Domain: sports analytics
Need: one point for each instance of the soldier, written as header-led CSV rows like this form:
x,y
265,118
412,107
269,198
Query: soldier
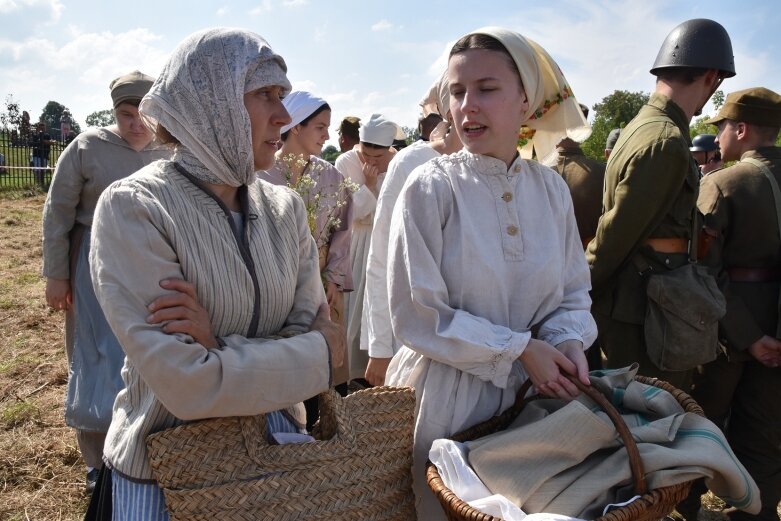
x,y
706,152
745,383
651,186
584,177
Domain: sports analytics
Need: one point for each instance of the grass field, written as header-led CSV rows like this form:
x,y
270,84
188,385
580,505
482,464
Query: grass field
x,y
41,473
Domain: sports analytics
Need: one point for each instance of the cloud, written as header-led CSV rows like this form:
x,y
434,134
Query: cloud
x,y
295,3
382,25
222,11
76,74
264,7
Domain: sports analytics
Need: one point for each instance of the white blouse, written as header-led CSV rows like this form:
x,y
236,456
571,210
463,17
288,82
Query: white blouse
x,y
481,258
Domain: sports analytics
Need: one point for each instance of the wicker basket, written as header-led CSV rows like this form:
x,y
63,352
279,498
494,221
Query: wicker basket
x,y
359,469
651,505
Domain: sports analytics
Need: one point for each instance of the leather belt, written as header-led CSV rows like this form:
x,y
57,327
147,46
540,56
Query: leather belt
x,y
669,245
754,274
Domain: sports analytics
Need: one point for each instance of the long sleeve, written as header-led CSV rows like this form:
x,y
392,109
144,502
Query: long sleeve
x,y
59,212
422,316
133,249
376,311
655,173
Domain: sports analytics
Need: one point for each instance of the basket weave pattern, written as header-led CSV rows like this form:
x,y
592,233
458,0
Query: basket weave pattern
x,y
359,469
652,505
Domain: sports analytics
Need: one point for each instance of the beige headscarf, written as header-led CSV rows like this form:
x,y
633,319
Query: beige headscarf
x,y
437,100
553,111
199,99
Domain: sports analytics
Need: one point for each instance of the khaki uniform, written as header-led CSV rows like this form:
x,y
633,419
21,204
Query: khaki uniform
x,y
584,177
737,203
651,185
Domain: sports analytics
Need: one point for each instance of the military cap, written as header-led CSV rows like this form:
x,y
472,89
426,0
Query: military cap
x,y
757,106
131,86
612,138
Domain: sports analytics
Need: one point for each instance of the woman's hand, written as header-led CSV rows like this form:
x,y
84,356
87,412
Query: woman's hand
x,y
333,334
58,294
544,365
767,351
573,350
182,312
376,370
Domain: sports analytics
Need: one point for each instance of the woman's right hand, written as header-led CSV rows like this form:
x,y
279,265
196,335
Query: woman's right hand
x,y
376,370
334,336
182,312
544,365
58,294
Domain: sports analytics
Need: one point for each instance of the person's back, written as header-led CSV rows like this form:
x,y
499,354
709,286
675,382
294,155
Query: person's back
x,y
651,185
744,384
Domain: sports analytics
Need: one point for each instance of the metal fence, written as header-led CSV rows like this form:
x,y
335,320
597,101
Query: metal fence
x,y
16,165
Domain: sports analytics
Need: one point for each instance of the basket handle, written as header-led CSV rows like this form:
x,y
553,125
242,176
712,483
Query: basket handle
x,y
635,461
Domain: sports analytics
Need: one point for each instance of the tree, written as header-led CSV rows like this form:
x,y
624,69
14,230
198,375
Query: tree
x,y
52,114
12,115
330,153
614,111
100,118
412,134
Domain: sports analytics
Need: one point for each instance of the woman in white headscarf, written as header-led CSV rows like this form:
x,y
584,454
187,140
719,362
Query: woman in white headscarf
x,y
487,280
242,327
328,200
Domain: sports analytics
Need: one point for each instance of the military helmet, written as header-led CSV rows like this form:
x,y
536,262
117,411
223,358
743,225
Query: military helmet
x,y
699,43
704,143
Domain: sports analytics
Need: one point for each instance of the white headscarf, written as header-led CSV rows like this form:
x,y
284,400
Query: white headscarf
x,y
199,99
379,131
553,110
300,105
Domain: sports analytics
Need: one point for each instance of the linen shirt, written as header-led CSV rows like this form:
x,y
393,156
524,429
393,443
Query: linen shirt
x,y
256,287
91,162
364,200
376,311
324,197
480,255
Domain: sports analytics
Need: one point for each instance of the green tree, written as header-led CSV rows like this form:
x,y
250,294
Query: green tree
x,y
11,117
52,114
718,99
100,118
614,111
412,134
330,153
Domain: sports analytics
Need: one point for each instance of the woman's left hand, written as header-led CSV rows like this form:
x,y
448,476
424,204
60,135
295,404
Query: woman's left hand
x,y
573,349
182,312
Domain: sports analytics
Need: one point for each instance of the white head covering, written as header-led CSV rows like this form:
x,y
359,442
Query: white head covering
x,y
300,105
553,110
379,131
199,99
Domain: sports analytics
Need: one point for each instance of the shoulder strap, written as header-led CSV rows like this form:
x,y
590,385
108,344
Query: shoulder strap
x,y
773,184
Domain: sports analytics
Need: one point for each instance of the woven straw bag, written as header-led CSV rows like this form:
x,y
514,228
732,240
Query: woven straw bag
x,y
652,505
358,469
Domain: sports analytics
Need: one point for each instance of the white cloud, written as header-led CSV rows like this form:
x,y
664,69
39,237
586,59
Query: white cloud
x,y
222,11
382,25
295,3
53,7
264,7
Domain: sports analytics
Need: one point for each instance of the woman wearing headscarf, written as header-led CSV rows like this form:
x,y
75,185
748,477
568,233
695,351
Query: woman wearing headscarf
x,y
377,334
487,280
242,326
328,201
365,165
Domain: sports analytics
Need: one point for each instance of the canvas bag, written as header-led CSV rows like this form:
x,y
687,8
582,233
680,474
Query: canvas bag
x,y
682,313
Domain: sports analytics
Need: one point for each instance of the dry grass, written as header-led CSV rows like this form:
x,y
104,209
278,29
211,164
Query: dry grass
x,y
41,473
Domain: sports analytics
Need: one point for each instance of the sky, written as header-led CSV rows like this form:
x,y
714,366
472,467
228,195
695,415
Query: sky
x,y
361,56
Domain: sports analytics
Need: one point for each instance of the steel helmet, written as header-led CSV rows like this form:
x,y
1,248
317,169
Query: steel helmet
x,y
704,143
699,43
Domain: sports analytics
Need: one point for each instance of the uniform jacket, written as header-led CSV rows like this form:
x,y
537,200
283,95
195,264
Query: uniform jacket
x,y
585,177
651,186
737,203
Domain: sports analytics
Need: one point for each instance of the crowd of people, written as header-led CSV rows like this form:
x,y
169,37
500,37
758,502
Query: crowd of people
x,y
211,264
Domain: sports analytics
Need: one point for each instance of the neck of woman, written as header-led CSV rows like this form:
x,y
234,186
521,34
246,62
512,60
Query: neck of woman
x,y
229,195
